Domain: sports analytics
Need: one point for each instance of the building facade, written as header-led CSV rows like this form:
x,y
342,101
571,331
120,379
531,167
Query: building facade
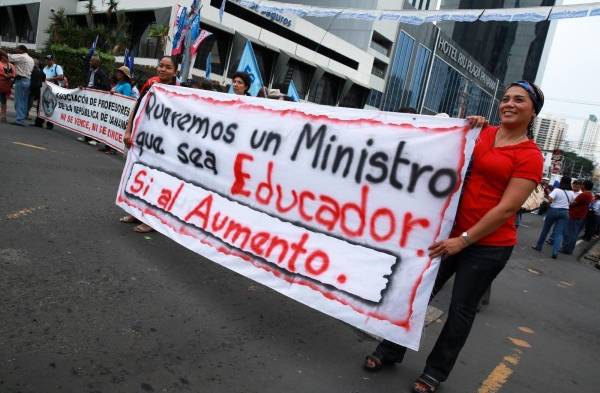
x,y
590,138
549,132
375,64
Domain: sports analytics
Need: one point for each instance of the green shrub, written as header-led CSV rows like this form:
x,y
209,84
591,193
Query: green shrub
x,y
72,62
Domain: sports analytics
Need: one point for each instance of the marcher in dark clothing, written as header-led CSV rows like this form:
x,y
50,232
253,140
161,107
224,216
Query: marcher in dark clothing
x,y
96,78
36,80
592,221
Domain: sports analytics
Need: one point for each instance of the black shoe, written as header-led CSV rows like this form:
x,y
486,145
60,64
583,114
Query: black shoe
x,y
536,248
554,256
49,126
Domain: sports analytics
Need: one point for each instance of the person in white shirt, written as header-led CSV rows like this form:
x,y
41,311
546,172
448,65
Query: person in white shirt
x,y
54,72
558,215
23,65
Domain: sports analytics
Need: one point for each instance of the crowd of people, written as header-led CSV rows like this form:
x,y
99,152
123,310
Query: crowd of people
x,y
571,207
503,181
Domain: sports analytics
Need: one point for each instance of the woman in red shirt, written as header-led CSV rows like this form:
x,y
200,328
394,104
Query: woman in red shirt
x,y
165,73
505,168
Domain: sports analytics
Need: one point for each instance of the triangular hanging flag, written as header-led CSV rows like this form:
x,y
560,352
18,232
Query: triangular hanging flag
x,y
201,37
222,10
293,92
249,65
208,68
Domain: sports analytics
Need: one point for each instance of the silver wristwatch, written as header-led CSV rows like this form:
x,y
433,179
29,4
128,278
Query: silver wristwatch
x,y
466,238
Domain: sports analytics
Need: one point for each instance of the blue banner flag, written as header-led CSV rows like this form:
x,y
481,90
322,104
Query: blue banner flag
x,y
249,65
208,68
92,49
293,92
179,29
129,61
222,10
195,30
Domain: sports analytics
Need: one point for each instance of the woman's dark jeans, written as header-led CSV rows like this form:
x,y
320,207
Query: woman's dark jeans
x,y
475,268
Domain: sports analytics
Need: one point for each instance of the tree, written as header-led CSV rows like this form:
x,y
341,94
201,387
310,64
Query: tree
x,y
161,33
91,8
112,8
60,27
576,166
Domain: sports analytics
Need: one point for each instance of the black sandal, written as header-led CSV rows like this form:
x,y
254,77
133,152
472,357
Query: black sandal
x,y
375,362
425,384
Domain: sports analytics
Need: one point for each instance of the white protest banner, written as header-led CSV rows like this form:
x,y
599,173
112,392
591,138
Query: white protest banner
x,y
333,207
100,115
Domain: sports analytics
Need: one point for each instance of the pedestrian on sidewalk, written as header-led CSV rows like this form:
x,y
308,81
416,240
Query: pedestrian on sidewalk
x,y
166,72
23,65
506,166
557,216
578,209
7,78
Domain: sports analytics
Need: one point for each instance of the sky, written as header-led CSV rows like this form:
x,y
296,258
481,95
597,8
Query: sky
x,y
571,80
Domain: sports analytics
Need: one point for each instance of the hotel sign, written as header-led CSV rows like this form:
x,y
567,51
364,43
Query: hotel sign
x,y
453,54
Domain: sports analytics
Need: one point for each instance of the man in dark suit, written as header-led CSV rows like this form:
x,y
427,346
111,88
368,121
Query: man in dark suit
x,y
96,78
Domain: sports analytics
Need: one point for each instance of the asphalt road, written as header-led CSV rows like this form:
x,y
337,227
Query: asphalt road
x,y
87,305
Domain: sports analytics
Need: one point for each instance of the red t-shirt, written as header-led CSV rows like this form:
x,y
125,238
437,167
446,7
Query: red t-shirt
x,y
491,170
580,206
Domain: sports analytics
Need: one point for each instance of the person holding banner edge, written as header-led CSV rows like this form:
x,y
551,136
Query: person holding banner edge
x,y
506,166
166,72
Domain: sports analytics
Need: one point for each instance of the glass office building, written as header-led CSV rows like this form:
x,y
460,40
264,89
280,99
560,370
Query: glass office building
x,y
509,50
432,74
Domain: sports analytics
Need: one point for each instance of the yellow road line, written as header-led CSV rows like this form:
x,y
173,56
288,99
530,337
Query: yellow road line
x,y
525,329
497,378
23,212
502,372
28,145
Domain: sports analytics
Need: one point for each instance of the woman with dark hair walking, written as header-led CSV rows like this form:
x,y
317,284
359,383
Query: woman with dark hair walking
x,y
557,216
506,166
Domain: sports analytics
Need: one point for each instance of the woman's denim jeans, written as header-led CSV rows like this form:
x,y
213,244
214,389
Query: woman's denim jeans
x,y
558,218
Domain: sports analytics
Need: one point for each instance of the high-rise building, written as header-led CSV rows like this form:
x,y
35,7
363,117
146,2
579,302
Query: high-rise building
x,y
509,50
549,132
588,142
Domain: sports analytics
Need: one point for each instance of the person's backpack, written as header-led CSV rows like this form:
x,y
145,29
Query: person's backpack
x,y
64,83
